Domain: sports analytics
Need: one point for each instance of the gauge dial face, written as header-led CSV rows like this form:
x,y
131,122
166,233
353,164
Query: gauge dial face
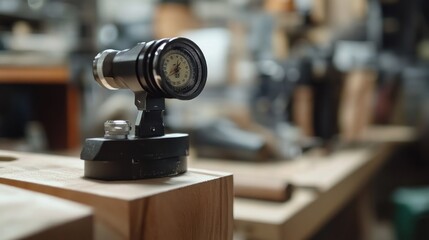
x,y
177,68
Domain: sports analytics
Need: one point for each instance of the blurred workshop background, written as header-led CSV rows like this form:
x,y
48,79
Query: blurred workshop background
x,y
286,79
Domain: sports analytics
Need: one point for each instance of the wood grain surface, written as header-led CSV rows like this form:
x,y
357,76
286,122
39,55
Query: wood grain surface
x,y
30,215
195,205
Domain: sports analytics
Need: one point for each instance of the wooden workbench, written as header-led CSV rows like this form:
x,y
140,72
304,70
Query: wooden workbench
x,y
324,184
195,205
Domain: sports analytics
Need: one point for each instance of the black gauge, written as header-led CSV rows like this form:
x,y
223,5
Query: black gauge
x,y
182,68
177,69
169,68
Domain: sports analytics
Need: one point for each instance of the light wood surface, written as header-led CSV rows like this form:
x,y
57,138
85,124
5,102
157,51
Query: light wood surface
x,y
195,205
31,215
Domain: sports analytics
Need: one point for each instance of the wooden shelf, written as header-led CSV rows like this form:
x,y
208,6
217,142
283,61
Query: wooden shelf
x,y
34,75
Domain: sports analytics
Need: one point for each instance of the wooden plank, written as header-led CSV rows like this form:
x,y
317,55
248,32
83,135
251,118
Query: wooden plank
x,y
34,75
195,205
31,215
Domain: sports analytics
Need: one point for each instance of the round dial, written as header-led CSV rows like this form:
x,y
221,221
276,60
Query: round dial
x,y
180,69
165,68
176,67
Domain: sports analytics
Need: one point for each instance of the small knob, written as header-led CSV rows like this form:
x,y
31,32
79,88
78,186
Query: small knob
x,y
116,129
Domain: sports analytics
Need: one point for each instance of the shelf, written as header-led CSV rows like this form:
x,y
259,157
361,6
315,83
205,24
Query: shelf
x,y
34,75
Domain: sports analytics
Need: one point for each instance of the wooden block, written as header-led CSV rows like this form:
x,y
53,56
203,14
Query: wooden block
x,y
30,215
195,205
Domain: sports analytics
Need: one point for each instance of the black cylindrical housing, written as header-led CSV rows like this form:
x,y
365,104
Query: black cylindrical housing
x,y
141,68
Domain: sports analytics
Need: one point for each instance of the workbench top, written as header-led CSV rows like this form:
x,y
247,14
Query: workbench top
x,y
194,205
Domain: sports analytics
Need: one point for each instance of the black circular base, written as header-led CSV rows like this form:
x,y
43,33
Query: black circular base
x,y
136,158
131,170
